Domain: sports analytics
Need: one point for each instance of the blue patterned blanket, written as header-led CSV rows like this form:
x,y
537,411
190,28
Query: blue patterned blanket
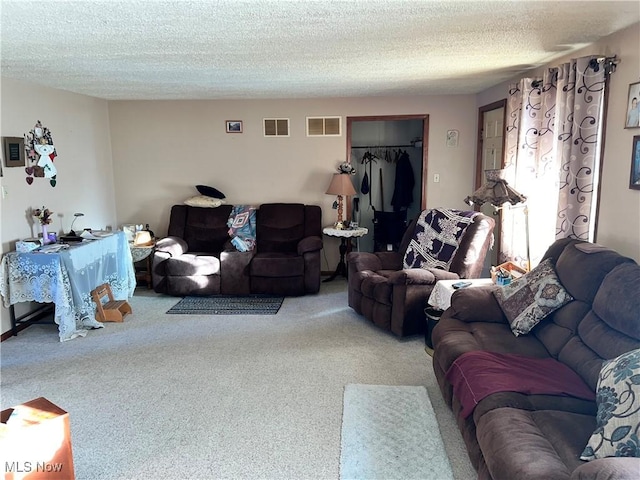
x,y
242,227
436,237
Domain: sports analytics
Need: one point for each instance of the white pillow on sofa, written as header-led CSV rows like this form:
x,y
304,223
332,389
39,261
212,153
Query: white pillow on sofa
x,y
204,201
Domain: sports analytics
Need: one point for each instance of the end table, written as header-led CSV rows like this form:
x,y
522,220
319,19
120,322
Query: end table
x,y
343,234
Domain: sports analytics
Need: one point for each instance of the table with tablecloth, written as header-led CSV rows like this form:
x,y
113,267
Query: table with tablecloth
x,y
66,278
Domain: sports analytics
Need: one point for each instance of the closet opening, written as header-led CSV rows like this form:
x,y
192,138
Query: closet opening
x,y
390,156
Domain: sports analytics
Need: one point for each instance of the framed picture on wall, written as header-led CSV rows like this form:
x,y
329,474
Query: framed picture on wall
x,y
234,126
633,107
634,181
13,151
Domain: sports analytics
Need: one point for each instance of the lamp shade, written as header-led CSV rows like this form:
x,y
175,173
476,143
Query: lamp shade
x,y
495,191
341,185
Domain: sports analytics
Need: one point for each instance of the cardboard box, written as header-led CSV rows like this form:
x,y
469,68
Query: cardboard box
x,y
35,441
515,270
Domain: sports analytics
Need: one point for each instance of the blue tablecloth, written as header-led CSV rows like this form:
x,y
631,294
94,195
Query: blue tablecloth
x,y
66,279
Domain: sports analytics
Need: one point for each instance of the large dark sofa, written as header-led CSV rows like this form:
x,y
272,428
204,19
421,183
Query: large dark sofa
x,y
198,258
511,435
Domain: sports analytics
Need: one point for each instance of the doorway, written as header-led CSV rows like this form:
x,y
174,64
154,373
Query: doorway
x,y
490,155
386,151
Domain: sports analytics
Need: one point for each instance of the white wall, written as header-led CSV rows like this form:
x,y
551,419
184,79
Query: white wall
x,y
619,216
162,149
80,129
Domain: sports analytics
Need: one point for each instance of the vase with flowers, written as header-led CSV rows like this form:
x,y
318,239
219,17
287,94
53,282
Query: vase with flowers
x,y
44,216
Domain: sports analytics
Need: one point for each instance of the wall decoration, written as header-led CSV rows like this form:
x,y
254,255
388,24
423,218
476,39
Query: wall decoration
x,y
633,106
634,180
40,152
234,126
13,151
452,138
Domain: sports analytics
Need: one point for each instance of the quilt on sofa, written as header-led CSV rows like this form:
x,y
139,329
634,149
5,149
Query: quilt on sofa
x,y
477,374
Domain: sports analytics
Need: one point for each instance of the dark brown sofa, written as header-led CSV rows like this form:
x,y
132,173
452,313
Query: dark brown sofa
x,y
197,257
522,436
393,297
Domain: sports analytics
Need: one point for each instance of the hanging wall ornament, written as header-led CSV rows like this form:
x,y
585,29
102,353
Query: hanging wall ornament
x,y
40,152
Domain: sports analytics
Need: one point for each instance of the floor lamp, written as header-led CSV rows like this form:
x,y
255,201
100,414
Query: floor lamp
x,y
497,191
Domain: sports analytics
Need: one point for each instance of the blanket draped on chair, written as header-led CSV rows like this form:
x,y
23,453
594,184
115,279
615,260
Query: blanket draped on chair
x,y
436,237
242,227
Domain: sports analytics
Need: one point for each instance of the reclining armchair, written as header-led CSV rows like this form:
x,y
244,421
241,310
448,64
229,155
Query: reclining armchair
x,y
391,288
288,245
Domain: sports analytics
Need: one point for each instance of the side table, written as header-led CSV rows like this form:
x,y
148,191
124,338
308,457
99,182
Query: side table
x,y
440,300
343,234
139,253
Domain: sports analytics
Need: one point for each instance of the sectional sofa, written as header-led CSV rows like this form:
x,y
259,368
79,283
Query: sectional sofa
x,y
559,399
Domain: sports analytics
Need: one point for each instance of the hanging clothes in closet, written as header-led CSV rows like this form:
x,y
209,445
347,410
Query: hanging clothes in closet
x,y
404,183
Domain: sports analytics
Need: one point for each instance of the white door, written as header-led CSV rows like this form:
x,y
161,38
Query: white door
x,y
492,141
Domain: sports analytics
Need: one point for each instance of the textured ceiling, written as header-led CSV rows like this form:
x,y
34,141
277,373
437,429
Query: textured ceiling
x,y
291,49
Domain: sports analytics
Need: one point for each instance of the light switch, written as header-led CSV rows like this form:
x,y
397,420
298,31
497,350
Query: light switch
x,y
4,192
436,178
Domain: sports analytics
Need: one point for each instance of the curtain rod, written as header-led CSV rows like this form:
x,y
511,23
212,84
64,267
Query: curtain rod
x,y
384,146
609,63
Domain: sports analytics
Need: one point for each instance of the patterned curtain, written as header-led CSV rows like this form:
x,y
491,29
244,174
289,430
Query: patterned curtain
x,y
531,168
581,87
551,156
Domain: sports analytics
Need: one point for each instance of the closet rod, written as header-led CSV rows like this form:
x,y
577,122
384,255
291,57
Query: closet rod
x,y
385,146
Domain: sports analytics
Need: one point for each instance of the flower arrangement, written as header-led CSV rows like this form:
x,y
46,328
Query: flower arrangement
x,y
44,215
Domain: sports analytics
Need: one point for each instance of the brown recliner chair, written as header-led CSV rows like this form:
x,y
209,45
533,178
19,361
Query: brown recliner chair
x,y
394,298
288,244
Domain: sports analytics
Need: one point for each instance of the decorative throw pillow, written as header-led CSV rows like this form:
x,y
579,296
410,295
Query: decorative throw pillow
x,y
204,201
210,191
530,298
618,417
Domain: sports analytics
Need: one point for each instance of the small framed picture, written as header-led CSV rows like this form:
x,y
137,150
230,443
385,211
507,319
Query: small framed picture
x,y
633,106
13,150
452,138
234,126
634,180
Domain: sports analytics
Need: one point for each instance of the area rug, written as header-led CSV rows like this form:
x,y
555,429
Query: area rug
x,y
391,432
228,305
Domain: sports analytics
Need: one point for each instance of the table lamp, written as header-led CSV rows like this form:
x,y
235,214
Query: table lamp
x,y
497,191
340,185
75,215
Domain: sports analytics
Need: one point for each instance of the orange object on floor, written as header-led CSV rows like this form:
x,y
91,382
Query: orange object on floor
x,y
112,310
35,440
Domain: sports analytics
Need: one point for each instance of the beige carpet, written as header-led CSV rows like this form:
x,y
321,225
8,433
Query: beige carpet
x,y
201,397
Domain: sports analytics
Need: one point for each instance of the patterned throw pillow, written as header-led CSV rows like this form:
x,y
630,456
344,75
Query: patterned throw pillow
x,y
530,298
618,417
203,201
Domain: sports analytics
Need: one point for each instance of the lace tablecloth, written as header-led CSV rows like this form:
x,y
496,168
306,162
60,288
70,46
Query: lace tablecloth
x,y
440,297
345,232
66,279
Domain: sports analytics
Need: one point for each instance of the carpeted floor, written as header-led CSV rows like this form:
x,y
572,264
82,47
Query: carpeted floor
x,y
228,305
391,432
201,397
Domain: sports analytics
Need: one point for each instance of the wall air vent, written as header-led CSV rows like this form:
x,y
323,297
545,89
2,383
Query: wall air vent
x,y
276,127
324,126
